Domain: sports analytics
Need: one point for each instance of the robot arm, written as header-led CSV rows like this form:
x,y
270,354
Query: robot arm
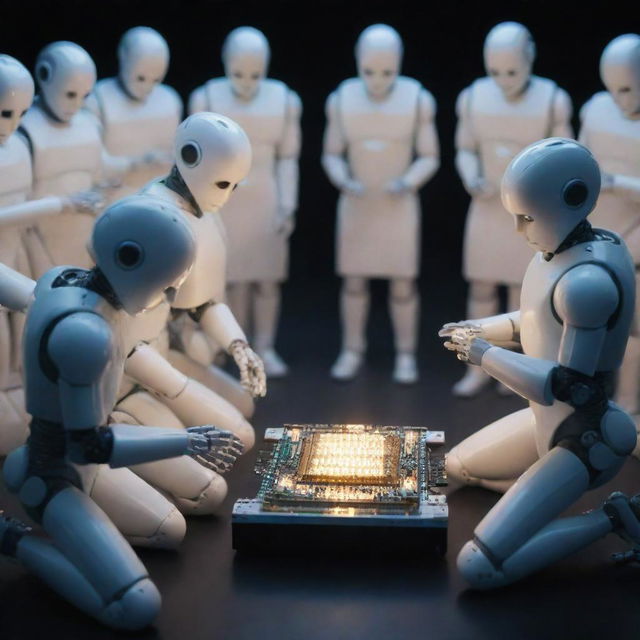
x,y
334,162
502,330
287,166
33,210
197,101
16,290
79,352
561,113
427,149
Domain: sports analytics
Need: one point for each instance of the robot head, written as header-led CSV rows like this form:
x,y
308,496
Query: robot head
x,y
378,57
16,95
550,187
143,55
212,154
145,248
65,74
509,52
245,55
620,72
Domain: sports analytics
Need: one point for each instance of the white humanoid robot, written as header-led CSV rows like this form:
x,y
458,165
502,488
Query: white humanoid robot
x,y
74,352
260,218
16,211
67,155
611,129
139,115
380,147
577,304
498,116
163,387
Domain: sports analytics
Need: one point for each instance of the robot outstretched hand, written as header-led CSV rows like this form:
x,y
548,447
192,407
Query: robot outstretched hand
x,y
465,339
214,448
92,202
252,375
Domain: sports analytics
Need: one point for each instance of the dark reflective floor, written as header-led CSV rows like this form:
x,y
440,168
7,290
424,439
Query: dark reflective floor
x,y
210,593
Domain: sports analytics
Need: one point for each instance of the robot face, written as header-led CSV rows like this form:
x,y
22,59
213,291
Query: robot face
x,y
245,71
509,69
144,247
65,74
16,95
550,187
144,59
212,154
620,73
378,69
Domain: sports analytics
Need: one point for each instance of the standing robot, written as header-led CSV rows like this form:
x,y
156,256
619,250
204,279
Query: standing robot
x,y
16,211
139,115
260,218
611,129
577,304
380,147
74,355
67,154
498,116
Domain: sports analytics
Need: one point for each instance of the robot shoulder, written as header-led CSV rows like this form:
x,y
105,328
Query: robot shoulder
x,y
427,104
462,102
586,296
170,95
81,347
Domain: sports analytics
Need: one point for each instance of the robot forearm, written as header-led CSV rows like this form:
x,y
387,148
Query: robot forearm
x,y
30,211
219,323
529,377
421,171
287,181
148,368
16,290
501,329
337,169
468,166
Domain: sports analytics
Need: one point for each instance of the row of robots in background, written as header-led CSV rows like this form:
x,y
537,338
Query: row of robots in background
x,y
380,148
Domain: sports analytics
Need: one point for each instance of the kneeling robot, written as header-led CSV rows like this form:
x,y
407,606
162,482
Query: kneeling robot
x,y
575,314
74,355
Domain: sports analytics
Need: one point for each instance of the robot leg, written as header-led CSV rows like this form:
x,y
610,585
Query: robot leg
x,y
266,313
215,379
483,302
194,489
354,311
497,455
513,539
404,308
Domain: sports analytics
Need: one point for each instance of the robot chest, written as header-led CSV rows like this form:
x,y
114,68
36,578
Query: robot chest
x,y
615,142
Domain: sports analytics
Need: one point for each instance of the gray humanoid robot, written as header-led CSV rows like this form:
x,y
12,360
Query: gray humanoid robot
x,y
611,129
261,216
74,354
576,309
380,147
139,115
498,116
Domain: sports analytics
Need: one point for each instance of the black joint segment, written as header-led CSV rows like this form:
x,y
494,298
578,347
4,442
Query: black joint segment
x,y
96,444
197,312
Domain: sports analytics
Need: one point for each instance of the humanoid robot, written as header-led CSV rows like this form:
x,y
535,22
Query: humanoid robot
x,y
576,310
163,387
260,218
611,129
67,155
380,147
139,115
74,355
498,116
16,95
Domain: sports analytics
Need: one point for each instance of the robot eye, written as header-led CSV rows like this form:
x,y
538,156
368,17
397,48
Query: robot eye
x,y
71,95
511,72
237,74
223,184
141,78
387,73
255,76
624,89
493,72
575,193
368,72
129,254
190,154
6,113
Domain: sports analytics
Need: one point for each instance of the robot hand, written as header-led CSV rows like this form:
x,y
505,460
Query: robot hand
x,y
85,202
285,222
213,448
397,187
353,188
252,376
152,158
468,325
465,342
481,188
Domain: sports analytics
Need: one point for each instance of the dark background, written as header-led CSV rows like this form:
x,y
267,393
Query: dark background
x,y
209,592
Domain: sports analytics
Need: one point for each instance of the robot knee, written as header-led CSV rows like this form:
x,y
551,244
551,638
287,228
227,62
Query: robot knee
x,y
354,286
246,433
619,431
15,468
455,468
171,532
136,608
477,569
403,289
209,500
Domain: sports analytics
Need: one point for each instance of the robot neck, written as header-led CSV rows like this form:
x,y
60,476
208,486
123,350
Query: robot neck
x,y
176,183
97,282
42,103
583,232
123,88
